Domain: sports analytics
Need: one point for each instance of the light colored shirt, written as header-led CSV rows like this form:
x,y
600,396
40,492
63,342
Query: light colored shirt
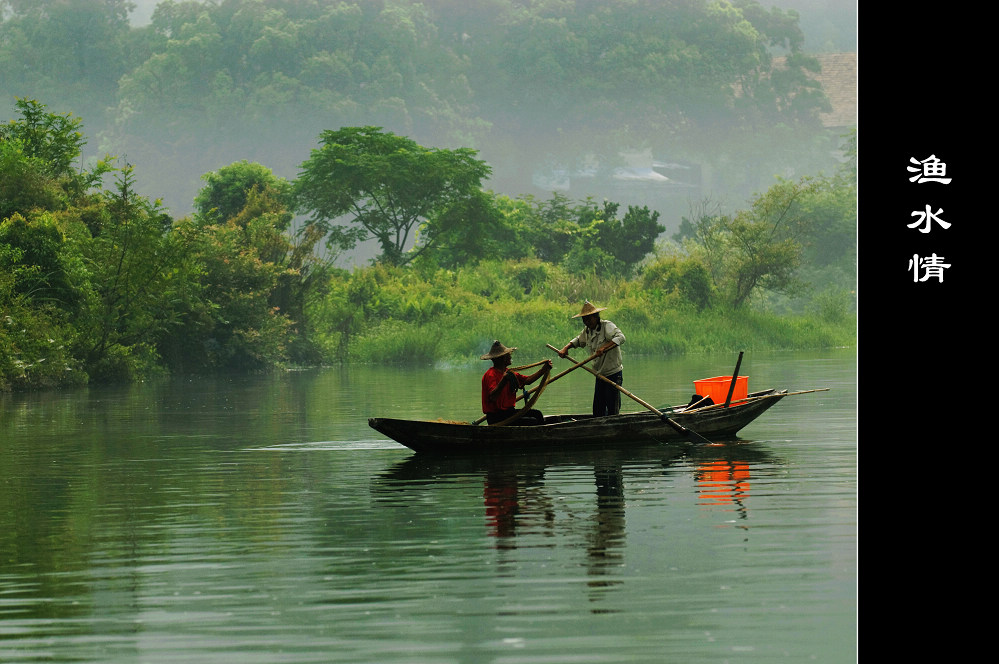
x,y
609,363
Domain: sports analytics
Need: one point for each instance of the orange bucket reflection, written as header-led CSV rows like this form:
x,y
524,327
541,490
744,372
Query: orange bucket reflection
x,y
722,482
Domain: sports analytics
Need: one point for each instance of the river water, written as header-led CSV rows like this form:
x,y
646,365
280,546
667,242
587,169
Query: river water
x,y
259,520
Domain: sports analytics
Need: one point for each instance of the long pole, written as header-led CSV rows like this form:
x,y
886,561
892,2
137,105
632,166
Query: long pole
x,y
679,427
573,368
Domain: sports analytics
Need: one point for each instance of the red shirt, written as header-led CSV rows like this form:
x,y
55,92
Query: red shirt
x,y
506,398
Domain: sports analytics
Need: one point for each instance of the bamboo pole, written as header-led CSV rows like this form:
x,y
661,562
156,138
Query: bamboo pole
x,y
679,427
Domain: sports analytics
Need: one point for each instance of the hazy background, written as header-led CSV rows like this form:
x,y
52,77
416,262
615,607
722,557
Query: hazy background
x,y
170,154
829,25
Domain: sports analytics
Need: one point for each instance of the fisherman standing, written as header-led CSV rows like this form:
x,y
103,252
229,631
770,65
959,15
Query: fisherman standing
x,y
603,339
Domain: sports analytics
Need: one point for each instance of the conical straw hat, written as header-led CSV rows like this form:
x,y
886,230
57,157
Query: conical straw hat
x,y
498,350
589,309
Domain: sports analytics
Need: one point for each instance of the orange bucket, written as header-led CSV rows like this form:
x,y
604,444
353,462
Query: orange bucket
x,y
717,388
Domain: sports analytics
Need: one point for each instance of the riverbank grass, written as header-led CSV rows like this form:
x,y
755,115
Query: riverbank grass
x,y
462,337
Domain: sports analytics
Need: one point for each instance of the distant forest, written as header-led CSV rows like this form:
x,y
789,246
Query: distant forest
x,y
547,91
178,196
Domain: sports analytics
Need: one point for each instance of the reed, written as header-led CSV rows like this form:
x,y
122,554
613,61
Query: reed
x,y
455,316
462,338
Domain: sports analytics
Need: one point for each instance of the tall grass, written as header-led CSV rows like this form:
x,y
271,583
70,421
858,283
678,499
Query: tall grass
x,y
499,302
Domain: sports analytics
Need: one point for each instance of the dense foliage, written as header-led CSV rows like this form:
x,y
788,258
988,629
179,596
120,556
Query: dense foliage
x,y
531,85
98,283
391,187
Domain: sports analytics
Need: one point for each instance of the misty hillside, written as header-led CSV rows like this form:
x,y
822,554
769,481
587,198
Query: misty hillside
x,y
649,102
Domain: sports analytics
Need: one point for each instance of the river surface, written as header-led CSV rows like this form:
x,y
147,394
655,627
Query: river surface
x,y
259,520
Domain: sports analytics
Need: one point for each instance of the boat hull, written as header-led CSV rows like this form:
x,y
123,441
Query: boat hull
x,y
574,431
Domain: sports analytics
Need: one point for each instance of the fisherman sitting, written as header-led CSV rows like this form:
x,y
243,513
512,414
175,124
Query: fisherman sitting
x,y
500,384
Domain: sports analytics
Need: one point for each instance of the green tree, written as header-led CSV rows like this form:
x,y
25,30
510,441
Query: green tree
x,y
759,248
54,139
254,276
584,236
69,52
301,271
628,239
390,187
42,275
232,324
135,280
684,278
832,206
281,71
25,182
617,72
39,300
455,246
549,225
36,338
37,155
227,190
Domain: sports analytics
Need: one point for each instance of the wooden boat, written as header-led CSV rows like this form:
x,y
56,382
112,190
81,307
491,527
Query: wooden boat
x,y
716,422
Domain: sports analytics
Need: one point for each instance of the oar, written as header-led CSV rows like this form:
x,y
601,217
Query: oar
x,y
679,427
572,368
550,381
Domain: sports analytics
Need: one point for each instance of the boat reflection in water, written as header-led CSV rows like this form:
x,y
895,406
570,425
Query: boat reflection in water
x,y
532,501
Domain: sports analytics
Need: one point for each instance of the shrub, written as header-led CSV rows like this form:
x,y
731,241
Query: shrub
x,y
685,278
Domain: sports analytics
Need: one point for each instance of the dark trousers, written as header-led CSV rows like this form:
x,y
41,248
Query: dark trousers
x,y
530,417
606,399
